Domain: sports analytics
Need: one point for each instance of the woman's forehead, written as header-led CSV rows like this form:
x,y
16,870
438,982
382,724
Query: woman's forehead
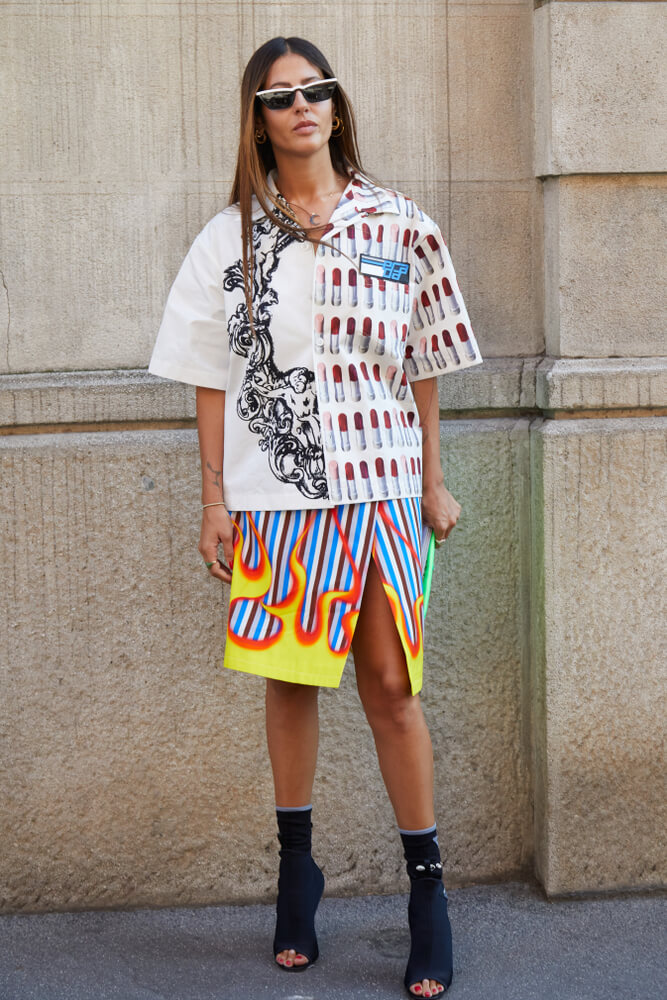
x,y
291,70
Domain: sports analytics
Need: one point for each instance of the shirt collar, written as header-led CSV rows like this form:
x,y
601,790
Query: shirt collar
x,y
361,197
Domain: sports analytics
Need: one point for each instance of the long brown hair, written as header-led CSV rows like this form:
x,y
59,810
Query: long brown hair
x,y
254,161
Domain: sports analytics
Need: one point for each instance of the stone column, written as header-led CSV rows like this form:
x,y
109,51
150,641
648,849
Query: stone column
x,y
597,454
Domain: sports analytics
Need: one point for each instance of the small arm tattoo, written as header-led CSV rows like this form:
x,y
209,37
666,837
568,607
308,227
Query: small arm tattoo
x,y
216,474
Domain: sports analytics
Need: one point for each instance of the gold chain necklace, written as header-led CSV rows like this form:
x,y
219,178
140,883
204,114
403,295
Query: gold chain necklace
x,y
313,216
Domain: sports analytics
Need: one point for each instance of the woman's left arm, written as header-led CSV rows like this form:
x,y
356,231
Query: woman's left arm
x,y
439,508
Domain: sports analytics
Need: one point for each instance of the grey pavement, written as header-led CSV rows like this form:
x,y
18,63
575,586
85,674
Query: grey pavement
x,y
510,944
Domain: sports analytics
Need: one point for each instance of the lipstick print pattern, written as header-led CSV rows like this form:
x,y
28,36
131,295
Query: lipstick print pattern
x,y
369,403
299,577
362,400
336,336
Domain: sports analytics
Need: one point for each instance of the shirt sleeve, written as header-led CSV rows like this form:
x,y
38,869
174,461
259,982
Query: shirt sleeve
x,y
440,337
192,344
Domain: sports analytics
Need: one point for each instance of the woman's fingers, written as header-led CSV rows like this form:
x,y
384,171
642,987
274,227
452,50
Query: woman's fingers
x,y
220,570
216,566
228,551
440,510
217,531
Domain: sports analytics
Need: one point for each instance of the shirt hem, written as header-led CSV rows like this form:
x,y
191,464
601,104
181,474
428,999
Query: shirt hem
x,y
282,502
190,376
439,372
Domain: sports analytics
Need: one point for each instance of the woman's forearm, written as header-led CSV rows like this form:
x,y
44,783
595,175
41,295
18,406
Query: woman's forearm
x,y
425,392
211,432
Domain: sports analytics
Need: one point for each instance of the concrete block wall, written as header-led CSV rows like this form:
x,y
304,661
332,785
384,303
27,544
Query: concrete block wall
x,y
601,147
135,765
598,487
600,651
139,765
120,131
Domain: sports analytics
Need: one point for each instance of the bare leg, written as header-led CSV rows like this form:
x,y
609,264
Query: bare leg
x,y
395,716
292,732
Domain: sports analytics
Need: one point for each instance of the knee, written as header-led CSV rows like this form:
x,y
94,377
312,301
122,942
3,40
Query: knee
x,y
286,693
390,705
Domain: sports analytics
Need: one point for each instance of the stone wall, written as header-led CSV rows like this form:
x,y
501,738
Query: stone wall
x,y
598,480
135,765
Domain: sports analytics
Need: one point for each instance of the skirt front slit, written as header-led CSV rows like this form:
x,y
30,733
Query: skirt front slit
x,y
298,580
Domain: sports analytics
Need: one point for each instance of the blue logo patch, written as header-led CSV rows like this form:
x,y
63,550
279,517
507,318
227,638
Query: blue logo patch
x,y
388,270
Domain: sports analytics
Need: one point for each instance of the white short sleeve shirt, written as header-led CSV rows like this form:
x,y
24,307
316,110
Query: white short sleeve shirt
x,y
318,404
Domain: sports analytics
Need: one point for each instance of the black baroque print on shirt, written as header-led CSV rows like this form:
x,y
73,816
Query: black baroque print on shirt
x,y
280,406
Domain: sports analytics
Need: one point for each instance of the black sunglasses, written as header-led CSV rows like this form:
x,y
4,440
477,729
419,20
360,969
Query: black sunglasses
x,y
277,100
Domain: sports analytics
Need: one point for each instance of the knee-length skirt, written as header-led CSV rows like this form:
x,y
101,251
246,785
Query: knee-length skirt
x,y
298,579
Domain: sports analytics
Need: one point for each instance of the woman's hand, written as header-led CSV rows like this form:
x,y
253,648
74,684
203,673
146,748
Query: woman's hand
x,y
217,528
440,510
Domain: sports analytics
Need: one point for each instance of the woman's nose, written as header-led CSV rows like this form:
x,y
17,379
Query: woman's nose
x,y
300,101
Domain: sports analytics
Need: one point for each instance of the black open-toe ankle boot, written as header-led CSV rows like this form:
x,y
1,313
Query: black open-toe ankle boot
x,y
300,888
430,932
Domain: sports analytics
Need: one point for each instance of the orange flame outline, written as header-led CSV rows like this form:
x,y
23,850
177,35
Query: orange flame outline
x,y
413,648
394,598
288,643
256,583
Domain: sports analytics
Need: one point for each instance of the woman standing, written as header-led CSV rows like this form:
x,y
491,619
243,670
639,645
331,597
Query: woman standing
x,y
313,315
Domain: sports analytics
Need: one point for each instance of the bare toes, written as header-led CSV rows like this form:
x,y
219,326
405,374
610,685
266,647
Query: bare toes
x,y
290,957
427,988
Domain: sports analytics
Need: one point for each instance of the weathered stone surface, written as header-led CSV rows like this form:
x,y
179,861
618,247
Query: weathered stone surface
x,y
599,650
497,250
605,294
488,66
500,384
86,290
99,397
151,109
92,398
476,694
497,384
600,79
601,383
135,766
111,167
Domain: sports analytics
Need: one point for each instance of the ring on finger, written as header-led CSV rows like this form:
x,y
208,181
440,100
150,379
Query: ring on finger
x,y
208,565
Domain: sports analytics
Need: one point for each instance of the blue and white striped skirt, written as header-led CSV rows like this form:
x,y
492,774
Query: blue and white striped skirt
x,y
298,579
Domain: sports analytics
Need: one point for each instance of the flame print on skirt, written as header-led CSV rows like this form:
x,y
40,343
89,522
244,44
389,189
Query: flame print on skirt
x,y
256,583
297,584
396,551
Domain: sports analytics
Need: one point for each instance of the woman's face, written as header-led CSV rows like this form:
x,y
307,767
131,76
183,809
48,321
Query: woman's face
x,y
304,128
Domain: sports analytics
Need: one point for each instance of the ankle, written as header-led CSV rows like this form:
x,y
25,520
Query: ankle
x,y
422,853
294,829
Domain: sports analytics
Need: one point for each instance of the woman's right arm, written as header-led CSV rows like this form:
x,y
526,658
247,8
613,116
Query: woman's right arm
x,y
217,527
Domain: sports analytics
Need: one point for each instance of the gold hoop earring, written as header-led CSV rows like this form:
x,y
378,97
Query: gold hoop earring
x,y
260,137
337,127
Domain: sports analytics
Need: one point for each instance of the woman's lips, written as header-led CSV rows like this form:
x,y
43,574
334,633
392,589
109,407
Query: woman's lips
x,y
305,126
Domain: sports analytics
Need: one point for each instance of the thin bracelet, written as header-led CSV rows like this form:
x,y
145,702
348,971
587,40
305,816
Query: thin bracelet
x,y
218,503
